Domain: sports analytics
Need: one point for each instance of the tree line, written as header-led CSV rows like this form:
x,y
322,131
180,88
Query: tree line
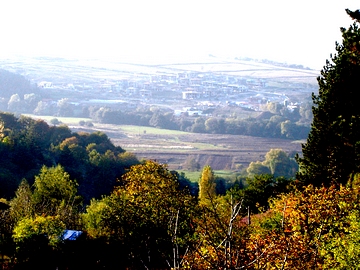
x,y
279,124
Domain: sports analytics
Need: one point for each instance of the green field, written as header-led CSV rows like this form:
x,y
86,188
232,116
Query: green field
x,y
136,130
195,176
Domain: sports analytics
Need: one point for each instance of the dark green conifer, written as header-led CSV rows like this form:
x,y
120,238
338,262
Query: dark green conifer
x,y
332,150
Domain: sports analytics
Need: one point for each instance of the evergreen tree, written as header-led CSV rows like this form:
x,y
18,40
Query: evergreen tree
x,y
332,150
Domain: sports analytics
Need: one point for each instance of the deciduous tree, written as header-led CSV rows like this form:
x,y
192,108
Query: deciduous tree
x,y
55,194
280,164
146,219
207,186
257,168
315,228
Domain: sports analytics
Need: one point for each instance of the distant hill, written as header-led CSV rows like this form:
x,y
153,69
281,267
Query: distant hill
x,y
12,83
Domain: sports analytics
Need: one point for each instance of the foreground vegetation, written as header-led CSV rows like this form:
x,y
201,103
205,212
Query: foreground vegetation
x,y
149,221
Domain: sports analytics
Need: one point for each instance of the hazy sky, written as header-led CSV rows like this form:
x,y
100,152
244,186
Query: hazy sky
x,y
299,32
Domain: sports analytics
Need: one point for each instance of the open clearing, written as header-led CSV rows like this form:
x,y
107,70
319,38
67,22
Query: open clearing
x,y
221,152
173,147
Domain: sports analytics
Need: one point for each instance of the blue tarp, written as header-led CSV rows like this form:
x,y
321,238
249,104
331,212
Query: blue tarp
x,y
71,235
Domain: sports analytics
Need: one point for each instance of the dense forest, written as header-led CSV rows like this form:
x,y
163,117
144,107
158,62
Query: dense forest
x,y
27,145
75,201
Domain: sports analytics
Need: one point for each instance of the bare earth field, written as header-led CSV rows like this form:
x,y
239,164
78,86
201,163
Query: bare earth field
x,y
221,152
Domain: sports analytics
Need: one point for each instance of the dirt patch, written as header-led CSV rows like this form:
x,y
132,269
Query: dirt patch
x,y
221,152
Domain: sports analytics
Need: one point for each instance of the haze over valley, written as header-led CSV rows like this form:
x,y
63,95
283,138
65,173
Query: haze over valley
x,y
235,69
210,87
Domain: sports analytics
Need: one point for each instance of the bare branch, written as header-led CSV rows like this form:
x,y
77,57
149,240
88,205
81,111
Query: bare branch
x,y
283,218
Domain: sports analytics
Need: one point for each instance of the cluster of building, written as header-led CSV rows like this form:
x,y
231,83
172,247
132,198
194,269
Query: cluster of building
x,y
171,87
179,85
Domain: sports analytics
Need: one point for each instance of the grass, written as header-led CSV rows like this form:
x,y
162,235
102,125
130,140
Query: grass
x,y
136,130
195,176
171,138
192,176
206,146
225,173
